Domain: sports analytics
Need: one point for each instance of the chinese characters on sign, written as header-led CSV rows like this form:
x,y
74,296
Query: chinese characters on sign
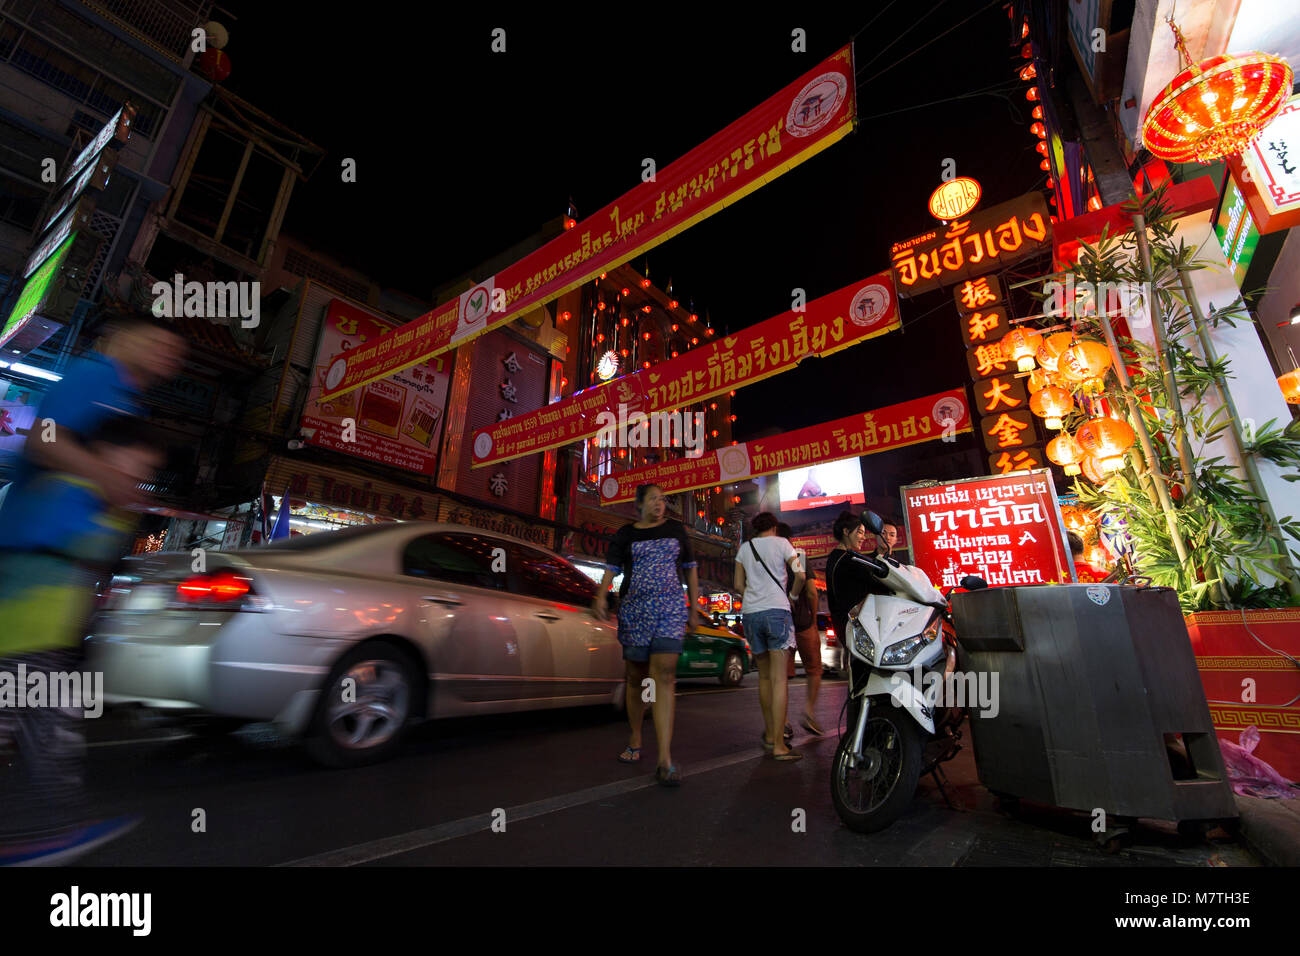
x,y
966,248
978,293
1006,530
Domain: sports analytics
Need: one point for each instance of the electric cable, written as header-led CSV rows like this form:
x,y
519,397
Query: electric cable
x,y
914,25
988,6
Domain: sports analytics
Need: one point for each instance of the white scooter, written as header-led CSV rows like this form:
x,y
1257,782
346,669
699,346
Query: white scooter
x,y
895,734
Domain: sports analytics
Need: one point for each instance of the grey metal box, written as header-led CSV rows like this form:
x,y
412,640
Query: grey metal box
x,y
1092,680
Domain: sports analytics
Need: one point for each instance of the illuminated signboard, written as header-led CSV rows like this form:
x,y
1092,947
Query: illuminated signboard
x,y
116,131
36,291
720,603
1235,229
1268,171
955,198
95,176
78,218
966,248
1005,529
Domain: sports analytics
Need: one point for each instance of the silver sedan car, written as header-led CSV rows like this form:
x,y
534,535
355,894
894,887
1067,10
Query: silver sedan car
x,y
345,637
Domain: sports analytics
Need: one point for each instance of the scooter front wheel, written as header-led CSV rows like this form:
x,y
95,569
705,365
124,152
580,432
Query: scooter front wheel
x,y
871,792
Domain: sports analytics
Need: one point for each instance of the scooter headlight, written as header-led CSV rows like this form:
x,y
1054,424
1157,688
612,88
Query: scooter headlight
x,y
904,651
860,642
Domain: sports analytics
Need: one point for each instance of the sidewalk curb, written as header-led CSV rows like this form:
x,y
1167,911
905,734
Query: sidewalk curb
x,y
1271,829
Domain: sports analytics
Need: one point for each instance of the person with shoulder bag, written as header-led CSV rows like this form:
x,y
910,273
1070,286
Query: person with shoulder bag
x,y
769,625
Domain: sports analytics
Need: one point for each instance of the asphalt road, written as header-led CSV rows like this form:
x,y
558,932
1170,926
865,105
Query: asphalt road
x,y
566,800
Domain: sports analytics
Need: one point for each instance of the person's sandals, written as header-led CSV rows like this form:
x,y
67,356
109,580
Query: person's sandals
x,y
668,776
630,755
788,755
766,743
811,726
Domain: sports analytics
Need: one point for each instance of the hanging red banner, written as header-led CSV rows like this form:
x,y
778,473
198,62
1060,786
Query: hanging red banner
x,y
1005,529
943,414
810,114
826,325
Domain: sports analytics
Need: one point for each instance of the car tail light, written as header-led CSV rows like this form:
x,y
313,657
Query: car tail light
x,y
830,637
220,587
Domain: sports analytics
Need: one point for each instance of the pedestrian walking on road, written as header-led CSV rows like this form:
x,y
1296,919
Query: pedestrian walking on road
x,y
652,554
761,566
62,526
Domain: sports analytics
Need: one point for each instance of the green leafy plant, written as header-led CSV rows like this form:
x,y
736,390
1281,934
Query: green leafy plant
x,y
1234,555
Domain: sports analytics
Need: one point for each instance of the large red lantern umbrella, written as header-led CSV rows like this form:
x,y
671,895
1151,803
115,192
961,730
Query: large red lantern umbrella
x,y
1215,108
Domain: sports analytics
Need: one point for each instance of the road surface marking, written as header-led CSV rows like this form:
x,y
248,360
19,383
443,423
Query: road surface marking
x,y
429,836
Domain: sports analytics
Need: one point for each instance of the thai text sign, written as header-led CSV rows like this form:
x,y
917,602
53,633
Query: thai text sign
x,y
396,420
922,419
810,114
986,242
1004,529
814,545
832,322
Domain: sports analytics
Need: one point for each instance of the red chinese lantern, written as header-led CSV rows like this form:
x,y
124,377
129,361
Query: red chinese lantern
x,y
1039,130
1039,379
1031,94
570,223
1028,72
1063,450
1020,344
1085,359
1051,404
1088,465
672,304
645,283
1041,147
1049,353
627,292
1215,108
1105,440
1045,167
214,64
1290,385
1036,112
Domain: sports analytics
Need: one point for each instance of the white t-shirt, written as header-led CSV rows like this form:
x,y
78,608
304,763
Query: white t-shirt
x,y
761,592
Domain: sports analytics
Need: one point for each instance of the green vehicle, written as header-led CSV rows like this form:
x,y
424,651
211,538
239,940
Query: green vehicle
x,y
715,652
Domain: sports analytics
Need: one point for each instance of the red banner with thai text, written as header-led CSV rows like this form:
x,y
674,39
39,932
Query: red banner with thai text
x,y
808,115
941,415
826,325
1004,529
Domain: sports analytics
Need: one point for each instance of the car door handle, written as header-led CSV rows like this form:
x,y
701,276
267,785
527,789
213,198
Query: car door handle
x,y
445,601
547,617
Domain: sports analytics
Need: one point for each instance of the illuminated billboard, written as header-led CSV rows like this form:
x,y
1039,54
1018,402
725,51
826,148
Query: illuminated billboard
x,y
821,485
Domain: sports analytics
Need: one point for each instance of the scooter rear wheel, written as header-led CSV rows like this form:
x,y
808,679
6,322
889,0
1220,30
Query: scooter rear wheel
x,y
872,795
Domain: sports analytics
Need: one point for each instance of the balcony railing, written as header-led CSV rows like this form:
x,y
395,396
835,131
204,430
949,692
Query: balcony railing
x,y
164,24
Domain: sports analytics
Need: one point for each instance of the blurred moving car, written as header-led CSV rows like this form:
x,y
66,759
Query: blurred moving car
x,y
715,652
345,637
835,660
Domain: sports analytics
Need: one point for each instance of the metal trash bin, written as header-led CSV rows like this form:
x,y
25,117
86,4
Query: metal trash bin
x,y
1093,683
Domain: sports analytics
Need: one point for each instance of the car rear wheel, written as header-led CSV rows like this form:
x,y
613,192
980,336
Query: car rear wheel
x,y
733,670
364,708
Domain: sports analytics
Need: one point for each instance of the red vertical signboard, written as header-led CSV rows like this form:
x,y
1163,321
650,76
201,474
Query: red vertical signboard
x,y
1006,529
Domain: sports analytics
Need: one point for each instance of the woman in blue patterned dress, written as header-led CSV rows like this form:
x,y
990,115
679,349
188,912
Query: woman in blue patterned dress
x,y
653,617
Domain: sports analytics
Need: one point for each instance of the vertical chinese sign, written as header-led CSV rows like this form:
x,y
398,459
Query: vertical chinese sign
x,y
1006,529
967,253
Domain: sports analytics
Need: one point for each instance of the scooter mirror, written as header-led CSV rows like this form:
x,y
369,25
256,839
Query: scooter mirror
x,y
972,583
873,522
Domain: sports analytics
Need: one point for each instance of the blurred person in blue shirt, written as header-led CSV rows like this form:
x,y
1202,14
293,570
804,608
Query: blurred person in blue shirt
x,y
63,523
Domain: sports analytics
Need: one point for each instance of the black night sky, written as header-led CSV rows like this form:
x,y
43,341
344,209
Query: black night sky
x,y
462,152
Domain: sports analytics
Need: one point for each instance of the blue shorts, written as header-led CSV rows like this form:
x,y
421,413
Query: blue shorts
x,y
769,630
659,645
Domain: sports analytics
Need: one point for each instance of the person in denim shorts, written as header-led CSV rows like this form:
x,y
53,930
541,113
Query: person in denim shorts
x,y
761,577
